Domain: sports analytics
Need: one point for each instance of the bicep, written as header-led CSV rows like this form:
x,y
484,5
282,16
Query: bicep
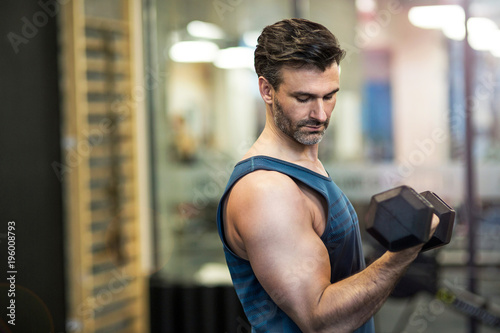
x,y
293,268
287,256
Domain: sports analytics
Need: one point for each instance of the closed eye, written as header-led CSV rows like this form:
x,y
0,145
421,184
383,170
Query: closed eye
x,y
304,97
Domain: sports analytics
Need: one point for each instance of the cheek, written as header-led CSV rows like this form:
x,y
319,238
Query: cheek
x,y
334,101
331,106
295,110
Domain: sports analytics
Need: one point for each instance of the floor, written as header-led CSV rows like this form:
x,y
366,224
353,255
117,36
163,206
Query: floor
x,y
425,313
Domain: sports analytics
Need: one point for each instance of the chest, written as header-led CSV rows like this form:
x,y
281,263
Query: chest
x,y
334,217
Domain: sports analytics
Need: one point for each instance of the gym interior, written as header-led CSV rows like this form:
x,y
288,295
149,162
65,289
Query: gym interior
x,y
122,120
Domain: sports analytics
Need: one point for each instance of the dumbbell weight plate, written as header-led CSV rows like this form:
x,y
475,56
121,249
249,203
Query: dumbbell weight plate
x,y
446,215
399,218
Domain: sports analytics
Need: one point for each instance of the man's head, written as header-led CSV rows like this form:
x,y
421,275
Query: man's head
x,y
302,107
295,43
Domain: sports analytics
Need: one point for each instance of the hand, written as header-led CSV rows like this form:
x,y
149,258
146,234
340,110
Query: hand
x,y
434,224
412,252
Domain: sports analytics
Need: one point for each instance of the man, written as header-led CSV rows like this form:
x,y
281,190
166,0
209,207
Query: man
x,y
291,237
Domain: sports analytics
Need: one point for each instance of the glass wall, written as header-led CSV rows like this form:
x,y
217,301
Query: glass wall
x,y
206,114
207,111
399,118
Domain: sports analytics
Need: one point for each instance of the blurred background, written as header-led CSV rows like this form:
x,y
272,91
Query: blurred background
x,y
121,121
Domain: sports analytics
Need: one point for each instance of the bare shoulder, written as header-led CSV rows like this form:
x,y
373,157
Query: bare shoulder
x,y
266,180
264,189
261,204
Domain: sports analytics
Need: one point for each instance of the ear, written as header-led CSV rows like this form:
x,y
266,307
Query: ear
x,y
266,90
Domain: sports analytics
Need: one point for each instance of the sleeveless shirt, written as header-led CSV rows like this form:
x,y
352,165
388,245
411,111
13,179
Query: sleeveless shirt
x,y
341,238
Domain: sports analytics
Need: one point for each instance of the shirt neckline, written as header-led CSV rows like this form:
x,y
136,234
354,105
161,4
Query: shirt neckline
x,y
297,166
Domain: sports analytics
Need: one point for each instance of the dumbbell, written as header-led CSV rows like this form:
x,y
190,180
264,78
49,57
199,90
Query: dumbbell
x,y
401,218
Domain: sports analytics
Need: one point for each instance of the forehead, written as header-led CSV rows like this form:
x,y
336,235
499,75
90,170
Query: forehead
x,y
310,79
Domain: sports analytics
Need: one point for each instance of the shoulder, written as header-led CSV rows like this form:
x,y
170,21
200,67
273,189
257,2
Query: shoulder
x,y
263,187
264,178
261,204
265,201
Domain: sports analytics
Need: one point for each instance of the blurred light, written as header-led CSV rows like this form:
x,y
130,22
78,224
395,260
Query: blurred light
x,y
250,38
205,30
448,17
366,6
235,57
482,42
455,31
193,51
484,35
495,52
481,25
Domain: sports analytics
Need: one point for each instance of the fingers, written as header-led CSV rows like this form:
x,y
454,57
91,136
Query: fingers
x,y
434,224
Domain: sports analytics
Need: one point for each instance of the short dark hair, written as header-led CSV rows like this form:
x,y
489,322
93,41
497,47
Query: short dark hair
x,y
295,43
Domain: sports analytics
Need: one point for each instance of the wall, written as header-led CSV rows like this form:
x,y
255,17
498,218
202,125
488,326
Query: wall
x,y
30,192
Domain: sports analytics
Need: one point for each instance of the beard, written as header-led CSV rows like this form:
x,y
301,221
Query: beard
x,y
295,131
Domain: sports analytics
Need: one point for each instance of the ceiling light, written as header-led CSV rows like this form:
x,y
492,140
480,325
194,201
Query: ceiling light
x,y
455,31
480,25
235,57
366,6
483,34
437,17
481,42
250,38
193,51
495,52
201,29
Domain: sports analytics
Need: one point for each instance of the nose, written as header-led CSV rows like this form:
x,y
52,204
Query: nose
x,y
319,112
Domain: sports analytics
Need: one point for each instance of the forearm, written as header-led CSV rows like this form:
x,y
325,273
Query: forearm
x,y
347,304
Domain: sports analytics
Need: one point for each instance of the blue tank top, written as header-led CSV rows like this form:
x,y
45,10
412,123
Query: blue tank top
x,y
341,237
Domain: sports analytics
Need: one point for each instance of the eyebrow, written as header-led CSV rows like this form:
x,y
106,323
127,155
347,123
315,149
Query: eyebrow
x,y
304,93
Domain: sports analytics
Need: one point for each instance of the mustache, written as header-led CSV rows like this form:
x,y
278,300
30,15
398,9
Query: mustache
x,y
311,122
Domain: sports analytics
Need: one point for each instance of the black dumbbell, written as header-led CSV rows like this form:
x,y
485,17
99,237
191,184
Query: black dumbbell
x,y
401,218
446,214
